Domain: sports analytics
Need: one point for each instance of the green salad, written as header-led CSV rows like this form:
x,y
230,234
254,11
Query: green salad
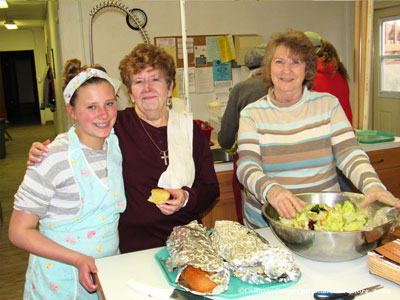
x,y
322,217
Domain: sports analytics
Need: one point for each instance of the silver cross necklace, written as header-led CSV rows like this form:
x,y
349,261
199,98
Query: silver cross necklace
x,y
163,153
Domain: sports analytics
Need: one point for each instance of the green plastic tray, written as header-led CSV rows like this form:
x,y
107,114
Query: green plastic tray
x,y
373,136
236,288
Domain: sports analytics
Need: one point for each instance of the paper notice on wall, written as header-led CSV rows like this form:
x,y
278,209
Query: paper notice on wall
x,y
223,86
226,48
222,90
222,71
192,84
171,50
165,42
189,47
204,80
200,55
212,48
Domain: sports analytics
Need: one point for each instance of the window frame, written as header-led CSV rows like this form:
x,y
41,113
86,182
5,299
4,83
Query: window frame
x,y
383,57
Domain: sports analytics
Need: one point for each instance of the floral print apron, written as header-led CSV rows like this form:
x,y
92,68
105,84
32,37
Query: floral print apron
x,y
93,231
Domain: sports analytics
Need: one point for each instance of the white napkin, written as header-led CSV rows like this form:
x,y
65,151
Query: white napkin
x,y
149,290
180,171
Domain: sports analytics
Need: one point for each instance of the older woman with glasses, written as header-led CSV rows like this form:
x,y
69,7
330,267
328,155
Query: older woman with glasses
x,y
160,149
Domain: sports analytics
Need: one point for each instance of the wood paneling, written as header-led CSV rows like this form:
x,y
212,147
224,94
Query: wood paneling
x,y
224,208
387,164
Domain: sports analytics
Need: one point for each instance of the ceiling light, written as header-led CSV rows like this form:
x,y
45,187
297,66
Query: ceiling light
x,y
10,25
3,4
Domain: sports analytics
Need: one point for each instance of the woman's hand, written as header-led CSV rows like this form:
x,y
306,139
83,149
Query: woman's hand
x,y
86,267
376,193
37,151
173,205
284,201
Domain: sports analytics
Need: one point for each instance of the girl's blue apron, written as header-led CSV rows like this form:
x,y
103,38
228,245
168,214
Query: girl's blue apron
x,y
93,231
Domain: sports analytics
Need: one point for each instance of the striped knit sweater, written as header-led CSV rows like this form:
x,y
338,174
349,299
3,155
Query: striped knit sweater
x,y
297,147
49,188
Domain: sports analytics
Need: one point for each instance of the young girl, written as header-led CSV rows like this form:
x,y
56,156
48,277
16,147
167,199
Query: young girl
x,y
76,194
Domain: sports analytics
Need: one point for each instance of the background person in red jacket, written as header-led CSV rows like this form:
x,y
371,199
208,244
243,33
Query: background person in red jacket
x,y
332,78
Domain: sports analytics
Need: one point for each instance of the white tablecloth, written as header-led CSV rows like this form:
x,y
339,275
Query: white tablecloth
x,y
115,272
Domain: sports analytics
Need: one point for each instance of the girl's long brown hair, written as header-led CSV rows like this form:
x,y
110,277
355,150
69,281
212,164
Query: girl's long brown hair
x,y
329,55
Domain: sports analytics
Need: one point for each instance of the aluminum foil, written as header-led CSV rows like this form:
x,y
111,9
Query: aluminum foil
x,y
190,245
250,257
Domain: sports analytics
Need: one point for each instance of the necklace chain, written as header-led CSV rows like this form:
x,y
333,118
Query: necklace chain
x,y
163,153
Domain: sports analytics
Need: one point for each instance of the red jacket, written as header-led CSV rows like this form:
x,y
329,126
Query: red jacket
x,y
336,85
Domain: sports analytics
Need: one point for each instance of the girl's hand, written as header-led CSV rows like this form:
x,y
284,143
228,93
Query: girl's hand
x,y
86,267
284,201
23,233
376,193
37,151
173,205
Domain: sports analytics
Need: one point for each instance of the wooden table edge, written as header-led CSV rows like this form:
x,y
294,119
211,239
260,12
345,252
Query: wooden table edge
x,y
99,287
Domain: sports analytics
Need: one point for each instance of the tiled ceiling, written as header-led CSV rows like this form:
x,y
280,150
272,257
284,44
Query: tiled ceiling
x,y
25,13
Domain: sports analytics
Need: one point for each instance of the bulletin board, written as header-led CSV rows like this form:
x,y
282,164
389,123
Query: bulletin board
x,y
199,41
207,72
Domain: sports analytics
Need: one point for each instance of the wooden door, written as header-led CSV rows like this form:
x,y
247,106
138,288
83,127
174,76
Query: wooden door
x,y
386,101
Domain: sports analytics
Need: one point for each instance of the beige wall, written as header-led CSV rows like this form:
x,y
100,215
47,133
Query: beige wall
x,y
113,38
53,46
66,30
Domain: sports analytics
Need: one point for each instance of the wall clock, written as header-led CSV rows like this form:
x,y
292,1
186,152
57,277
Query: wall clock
x,y
140,16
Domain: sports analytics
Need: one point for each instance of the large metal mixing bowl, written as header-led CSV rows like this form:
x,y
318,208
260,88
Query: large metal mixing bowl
x,y
331,246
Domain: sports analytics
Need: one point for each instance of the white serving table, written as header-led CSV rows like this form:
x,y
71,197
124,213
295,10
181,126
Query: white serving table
x,y
114,273
226,166
382,146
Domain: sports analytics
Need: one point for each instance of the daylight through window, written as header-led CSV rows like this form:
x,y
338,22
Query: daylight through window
x,y
390,57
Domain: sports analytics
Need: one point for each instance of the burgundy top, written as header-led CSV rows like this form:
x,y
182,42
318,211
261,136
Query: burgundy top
x,y
142,225
336,85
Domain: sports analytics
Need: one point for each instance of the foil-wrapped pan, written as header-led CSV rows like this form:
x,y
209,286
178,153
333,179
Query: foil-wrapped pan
x,y
190,245
250,257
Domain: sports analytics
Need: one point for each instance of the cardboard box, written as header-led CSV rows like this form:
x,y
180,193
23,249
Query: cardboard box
x,y
384,261
244,43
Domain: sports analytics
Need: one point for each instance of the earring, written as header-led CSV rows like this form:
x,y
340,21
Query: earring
x,y
169,102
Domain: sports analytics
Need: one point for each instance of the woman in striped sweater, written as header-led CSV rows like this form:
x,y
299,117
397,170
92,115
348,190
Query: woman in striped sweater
x,y
291,140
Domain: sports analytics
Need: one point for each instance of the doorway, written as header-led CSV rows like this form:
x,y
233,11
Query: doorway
x,y
387,70
20,89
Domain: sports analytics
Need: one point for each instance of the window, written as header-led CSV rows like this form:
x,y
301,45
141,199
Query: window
x,y
389,83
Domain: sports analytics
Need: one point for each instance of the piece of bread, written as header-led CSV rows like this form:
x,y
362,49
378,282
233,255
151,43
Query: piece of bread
x,y
197,280
159,196
259,269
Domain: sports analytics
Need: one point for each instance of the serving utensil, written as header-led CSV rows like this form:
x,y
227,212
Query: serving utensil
x,y
163,293
345,296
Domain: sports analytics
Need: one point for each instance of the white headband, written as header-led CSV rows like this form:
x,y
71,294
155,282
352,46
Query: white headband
x,y
80,79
